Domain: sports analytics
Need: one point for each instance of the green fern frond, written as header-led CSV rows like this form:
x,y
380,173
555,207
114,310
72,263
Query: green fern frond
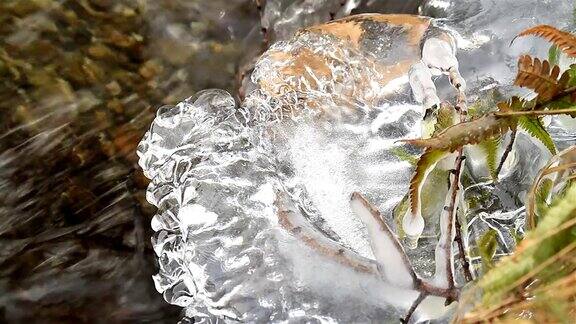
x,y
490,149
565,102
572,74
533,126
542,196
538,246
515,104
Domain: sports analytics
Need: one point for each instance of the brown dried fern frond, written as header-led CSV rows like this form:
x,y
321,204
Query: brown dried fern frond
x,y
514,104
565,41
540,77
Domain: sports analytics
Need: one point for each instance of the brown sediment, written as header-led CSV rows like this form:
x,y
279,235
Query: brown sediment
x,y
311,67
351,31
304,60
302,63
391,72
399,19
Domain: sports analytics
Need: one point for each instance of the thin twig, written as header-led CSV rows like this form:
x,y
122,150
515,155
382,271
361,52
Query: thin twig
x,y
535,112
506,153
462,252
448,293
451,209
265,33
451,293
384,227
417,302
463,110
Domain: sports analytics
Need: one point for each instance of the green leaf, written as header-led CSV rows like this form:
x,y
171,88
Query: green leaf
x,y
553,55
556,308
517,237
433,191
490,149
402,154
533,126
572,74
487,248
565,102
399,211
542,196
425,164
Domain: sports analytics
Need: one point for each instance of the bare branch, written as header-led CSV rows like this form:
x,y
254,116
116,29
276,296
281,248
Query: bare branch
x,y
535,112
463,109
444,275
462,252
415,304
506,152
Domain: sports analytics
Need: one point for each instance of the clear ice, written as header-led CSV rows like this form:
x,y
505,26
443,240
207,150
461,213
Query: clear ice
x,y
248,194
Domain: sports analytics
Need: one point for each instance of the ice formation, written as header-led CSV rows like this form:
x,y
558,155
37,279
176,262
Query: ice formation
x,y
254,222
